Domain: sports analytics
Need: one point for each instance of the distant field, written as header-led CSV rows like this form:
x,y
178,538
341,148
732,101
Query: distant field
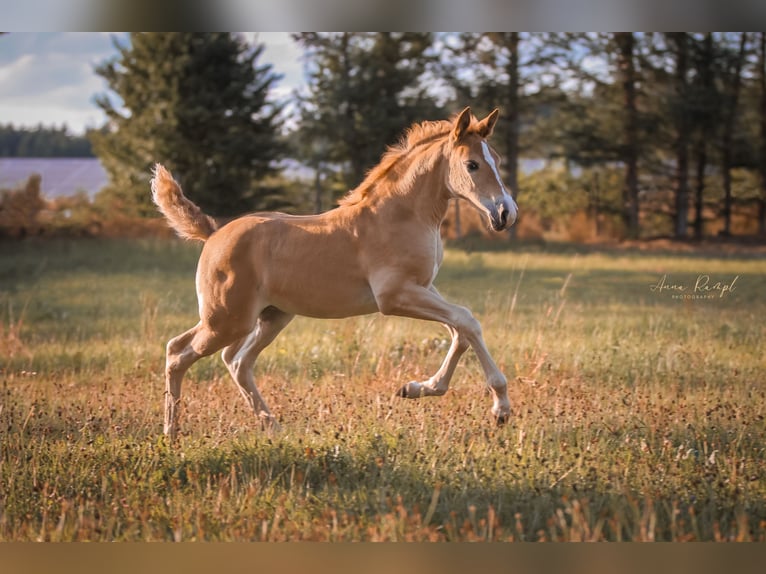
x,y
638,412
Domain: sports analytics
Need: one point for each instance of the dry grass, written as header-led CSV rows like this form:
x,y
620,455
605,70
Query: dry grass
x,y
636,416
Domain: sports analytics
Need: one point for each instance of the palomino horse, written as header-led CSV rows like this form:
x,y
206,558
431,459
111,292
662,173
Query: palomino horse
x,y
379,250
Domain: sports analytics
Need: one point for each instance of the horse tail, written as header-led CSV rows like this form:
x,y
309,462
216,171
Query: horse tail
x,y
186,219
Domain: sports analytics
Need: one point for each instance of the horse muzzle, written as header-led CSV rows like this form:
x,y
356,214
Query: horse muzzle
x,y
503,213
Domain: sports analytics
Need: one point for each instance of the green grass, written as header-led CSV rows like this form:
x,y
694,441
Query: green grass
x,y
637,416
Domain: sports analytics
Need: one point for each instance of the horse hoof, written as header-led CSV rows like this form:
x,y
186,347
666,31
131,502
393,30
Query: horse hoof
x,y
502,419
269,423
402,392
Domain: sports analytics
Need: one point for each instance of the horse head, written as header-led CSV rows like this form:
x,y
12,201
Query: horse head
x,y
473,172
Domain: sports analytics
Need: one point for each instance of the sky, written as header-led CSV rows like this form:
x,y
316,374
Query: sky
x,y
49,77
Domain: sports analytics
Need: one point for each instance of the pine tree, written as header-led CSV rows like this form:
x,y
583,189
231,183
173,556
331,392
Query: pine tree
x,y
364,90
198,104
626,72
485,72
608,125
515,72
593,121
680,41
731,107
704,107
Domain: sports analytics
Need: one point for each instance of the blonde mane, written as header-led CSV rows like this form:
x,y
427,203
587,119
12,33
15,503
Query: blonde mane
x,y
417,135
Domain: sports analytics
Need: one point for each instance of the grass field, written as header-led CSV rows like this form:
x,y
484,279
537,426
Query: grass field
x,y
638,414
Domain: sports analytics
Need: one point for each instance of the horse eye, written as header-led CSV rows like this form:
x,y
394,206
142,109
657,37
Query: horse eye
x,y
471,165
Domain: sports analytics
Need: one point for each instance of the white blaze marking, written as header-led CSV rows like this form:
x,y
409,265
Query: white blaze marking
x,y
490,160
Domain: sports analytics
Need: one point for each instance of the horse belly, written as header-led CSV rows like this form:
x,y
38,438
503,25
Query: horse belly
x,y
298,265
320,278
323,296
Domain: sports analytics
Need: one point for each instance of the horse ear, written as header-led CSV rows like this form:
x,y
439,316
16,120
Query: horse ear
x,y
486,125
461,124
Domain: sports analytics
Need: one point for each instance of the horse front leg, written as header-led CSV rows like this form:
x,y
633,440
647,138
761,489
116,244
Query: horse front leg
x,y
418,302
438,384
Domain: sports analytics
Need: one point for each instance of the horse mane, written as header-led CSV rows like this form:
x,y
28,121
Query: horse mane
x,y
418,134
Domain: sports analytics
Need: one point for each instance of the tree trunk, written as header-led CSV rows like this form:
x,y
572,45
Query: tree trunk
x,y
627,75
349,115
762,81
512,138
728,135
512,112
595,203
706,76
701,153
682,137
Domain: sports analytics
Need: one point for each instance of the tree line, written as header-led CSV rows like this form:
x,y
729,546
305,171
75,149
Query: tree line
x,y
643,133
42,142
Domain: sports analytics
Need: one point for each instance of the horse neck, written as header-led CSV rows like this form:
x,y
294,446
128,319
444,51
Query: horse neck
x,y
418,190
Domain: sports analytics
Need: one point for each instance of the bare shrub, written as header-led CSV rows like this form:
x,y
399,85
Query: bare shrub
x,y
20,209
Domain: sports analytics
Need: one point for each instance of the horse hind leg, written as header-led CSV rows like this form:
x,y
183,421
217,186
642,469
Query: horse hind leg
x,y
182,352
240,358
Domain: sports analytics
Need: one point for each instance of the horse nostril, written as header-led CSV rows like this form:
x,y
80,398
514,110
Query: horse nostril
x,y
503,214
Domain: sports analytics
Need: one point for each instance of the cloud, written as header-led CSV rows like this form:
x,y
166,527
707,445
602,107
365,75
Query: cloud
x,y
35,74
49,78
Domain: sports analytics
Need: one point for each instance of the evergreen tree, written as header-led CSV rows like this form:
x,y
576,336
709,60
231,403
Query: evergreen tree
x,y
495,80
363,91
731,107
598,122
704,108
516,72
578,115
626,73
669,99
198,104
679,42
